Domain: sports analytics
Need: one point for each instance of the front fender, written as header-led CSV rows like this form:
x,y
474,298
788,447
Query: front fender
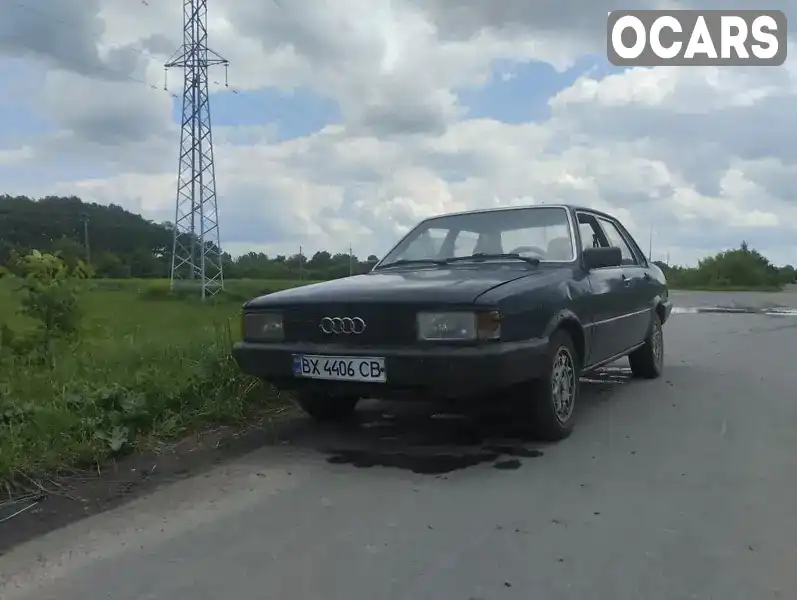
x,y
558,318
570,322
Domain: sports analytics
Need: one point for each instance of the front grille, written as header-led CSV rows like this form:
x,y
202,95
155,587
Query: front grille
x,y
384,325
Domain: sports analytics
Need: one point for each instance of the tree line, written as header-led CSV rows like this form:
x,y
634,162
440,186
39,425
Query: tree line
x,y
743,267
117,244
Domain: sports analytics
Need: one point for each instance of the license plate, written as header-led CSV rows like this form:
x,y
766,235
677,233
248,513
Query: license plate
x,y
340,368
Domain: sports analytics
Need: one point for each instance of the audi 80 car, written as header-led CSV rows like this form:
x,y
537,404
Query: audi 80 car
x,y
500,303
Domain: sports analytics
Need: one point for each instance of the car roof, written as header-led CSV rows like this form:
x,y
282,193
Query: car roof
x,y
570,207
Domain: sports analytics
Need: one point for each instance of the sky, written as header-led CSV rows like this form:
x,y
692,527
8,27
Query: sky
x,y
344,123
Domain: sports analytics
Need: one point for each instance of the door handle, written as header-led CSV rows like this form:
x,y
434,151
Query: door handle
x,y
647,276
626,281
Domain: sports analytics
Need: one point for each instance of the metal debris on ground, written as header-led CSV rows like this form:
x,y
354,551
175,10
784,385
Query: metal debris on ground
x,y
31,502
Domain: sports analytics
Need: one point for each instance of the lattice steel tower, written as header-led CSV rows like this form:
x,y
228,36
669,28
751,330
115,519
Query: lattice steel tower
x,y
196,250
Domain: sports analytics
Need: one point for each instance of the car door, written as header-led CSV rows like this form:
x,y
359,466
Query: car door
x,y
609,301
636,281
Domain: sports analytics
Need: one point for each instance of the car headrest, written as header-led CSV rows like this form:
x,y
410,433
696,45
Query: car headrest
x,y
489,244
559,249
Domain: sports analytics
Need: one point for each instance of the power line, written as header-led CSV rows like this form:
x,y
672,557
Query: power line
x,y
196,248
223,86
101,66
163,87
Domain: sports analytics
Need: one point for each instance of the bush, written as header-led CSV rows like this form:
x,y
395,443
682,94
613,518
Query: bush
x,y
741,268
88,411
235,290
49,297
120,371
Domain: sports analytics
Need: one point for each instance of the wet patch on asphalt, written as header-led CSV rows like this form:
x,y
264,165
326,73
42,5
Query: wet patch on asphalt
x,y
425,464
606,377
415,440
423,441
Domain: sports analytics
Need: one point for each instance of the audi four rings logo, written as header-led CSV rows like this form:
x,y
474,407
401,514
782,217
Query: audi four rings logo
x,y
345,325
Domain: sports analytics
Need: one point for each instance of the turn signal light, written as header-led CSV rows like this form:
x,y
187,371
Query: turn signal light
x,y
488,325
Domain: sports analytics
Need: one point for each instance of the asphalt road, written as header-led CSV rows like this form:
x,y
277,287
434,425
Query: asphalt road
x,y
679,488
754,300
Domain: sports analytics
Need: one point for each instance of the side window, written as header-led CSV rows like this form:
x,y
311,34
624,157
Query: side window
x,y
617,239
591,234
589,239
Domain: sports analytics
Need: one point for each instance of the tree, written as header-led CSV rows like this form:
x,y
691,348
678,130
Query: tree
x,y
743,267
70,250
49,296
55,224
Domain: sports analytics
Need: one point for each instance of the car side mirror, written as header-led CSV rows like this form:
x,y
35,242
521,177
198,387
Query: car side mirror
x,y
596,258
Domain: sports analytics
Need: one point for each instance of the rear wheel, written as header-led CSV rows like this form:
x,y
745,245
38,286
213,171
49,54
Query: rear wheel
x,y
554,397
326,407
647,361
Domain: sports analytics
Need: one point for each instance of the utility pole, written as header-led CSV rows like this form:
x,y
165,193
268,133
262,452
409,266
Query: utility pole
x,y
301,264
351,262
196,247
85,219
650,244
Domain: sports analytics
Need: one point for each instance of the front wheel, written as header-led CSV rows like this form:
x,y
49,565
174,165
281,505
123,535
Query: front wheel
x,y
647,361
555,395
326,407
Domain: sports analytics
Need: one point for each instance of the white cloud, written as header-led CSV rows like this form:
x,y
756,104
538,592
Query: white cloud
x,y
702,156
16,155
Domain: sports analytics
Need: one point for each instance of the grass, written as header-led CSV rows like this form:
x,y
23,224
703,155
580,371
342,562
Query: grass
x,y
145,367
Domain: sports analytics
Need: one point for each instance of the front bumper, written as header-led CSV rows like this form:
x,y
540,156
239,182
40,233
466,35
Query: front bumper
x,y
429,371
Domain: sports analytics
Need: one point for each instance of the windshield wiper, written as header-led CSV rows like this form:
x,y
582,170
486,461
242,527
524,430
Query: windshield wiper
x,y
478,256
413,261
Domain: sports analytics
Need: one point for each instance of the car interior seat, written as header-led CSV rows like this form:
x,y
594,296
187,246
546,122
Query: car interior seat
x,y
488,243
420,248
559,249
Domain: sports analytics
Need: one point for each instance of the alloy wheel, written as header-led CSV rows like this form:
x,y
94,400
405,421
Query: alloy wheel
x,y
657,345
563,385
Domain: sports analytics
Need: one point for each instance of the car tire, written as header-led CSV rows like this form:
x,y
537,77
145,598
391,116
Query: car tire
x,y
647,361
550,419
326,407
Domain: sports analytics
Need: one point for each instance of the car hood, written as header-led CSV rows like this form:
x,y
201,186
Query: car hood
x,y
456,285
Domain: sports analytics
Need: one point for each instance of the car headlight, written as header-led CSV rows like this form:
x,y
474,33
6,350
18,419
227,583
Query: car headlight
x,y
459,326
263,326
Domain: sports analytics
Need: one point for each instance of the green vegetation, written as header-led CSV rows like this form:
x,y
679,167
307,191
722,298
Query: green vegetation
x,y
93,368
98,357
732,270
120,244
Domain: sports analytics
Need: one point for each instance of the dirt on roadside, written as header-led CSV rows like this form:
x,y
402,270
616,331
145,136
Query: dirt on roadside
x,y
64,499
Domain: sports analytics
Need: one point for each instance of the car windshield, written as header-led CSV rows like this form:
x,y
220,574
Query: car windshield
x,y
542,233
